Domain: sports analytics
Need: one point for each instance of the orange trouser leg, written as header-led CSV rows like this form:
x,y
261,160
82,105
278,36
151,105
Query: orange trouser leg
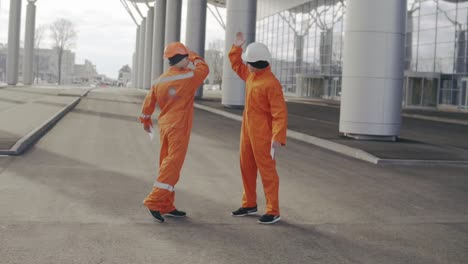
x,y
248,170
267,168
174,144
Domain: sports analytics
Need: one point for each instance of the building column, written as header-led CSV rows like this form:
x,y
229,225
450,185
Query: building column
x,y
135,59
373,69
141,54
29,44
173,18
195,32
148,49
14,30
241,16
158,38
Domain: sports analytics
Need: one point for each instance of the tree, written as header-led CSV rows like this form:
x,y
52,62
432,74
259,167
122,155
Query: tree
x,y
38,37
214,58
63,35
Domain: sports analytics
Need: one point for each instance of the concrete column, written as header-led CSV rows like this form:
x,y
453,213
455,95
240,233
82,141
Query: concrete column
x,y
241,16
373,69
173,18
148,49
158,38
29,44
196,28
14,29
132,80
135,59
141,54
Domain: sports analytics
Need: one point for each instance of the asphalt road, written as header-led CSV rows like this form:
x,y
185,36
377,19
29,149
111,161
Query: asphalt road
x,y
75,197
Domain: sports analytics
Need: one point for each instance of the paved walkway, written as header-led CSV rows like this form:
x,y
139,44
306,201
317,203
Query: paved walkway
x,y
75,197
26,113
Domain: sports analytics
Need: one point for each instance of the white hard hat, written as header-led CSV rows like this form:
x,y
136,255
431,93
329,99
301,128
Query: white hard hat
x,y
256,51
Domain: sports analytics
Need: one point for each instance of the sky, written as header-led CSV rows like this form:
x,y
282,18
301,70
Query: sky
x,y
106,33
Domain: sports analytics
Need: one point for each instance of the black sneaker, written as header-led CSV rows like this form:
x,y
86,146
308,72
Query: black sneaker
x,y
176,213
156,215
269,219
243,211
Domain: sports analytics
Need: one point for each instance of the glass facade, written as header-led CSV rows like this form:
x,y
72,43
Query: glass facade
x,y
306,42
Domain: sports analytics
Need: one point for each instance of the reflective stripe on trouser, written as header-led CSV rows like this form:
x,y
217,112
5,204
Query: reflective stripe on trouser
x,y
255,155
174,144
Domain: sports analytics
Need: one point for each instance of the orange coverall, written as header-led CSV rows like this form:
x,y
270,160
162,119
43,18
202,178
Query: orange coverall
x,y
264,120
174,91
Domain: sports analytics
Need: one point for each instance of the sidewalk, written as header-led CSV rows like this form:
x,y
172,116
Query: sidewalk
x,y
421,141
26,113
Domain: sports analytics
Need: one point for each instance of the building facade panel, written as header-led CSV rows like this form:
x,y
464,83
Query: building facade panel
x,y
306,40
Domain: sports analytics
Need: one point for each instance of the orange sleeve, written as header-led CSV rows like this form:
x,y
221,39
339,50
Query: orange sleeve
x,y
148,105
201,69
236,62
279,113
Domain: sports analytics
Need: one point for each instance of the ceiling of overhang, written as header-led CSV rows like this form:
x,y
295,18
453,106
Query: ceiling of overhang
x,y
220,3
311,6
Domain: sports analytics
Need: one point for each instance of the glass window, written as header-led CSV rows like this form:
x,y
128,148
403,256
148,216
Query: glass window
x,y
446,18
444,65
413,26
462,6
445,50
427,36
427,21
426,51
446,34
426,65
427,7
447,6
414,58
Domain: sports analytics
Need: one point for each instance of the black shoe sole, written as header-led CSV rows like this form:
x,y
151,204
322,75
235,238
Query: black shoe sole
x,y
175,216
155,219
269,223
249,213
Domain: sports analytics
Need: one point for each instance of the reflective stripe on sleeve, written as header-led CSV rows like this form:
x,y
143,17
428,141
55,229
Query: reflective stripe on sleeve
x,y
173,78
162,185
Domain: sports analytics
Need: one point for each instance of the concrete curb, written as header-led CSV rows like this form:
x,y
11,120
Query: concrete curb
x,y
29,139
332,146
340,148
326,144
422,162
219,112
83,94
437,119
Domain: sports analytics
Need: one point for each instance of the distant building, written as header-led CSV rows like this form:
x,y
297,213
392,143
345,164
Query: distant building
x,y
84,74
125,76
45,65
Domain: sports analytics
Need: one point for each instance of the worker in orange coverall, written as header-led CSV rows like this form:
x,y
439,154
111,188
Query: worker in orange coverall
x,y
264,126
174,91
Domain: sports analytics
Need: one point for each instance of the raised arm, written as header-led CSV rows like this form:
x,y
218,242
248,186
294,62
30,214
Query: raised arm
x,y
235,57
201,69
